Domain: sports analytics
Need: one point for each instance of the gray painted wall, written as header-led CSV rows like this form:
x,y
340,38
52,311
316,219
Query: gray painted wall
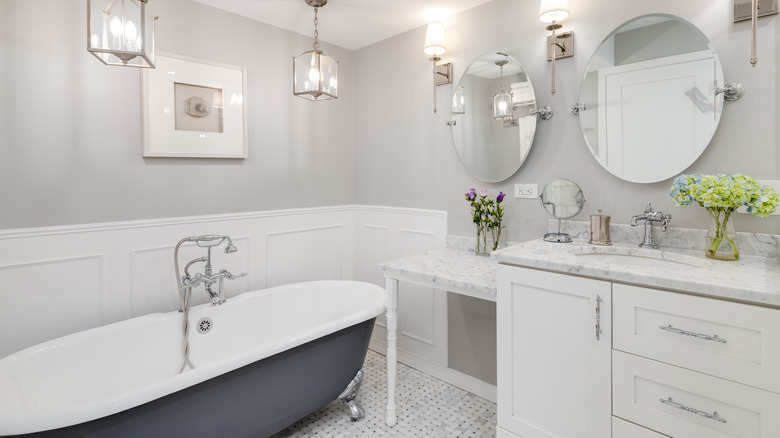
x,y
404,154
71,144
71,136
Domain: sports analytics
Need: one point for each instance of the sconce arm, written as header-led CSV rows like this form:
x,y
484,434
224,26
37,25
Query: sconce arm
x,y
731,92
544,113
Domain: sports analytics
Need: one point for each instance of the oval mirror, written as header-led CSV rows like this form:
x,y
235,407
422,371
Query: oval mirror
x,y
491,138
649,96
563,199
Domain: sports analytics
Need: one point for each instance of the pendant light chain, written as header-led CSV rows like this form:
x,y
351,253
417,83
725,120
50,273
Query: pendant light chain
x,y
316,31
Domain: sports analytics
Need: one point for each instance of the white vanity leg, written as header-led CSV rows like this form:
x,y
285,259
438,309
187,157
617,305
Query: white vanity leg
x,y
391,285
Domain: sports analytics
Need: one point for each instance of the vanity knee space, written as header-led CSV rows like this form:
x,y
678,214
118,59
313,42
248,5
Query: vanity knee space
x,y
664,363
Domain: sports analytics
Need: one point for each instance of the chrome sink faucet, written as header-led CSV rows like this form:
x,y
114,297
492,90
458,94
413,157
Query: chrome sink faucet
x,y
650,216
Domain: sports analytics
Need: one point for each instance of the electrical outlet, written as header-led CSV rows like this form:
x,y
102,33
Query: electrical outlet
x,y
526,191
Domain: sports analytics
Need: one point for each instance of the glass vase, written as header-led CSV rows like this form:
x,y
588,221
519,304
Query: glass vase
x,y
488,239
483,241
721,237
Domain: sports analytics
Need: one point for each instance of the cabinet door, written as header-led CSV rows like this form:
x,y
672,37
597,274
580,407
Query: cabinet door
x,y
554,369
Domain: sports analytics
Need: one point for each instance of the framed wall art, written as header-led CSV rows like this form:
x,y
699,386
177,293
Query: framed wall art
x,y
194,108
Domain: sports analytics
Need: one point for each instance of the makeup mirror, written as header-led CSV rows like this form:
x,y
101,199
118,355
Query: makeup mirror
x,y
563,199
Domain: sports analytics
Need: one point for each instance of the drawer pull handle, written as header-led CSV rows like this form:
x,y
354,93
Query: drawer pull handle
x,y
674,404
713,338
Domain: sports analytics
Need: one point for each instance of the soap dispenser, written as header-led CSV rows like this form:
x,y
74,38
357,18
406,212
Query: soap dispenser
x,y
599,229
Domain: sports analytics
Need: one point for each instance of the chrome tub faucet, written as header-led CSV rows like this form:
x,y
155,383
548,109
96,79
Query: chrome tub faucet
x,y
208,278
650,216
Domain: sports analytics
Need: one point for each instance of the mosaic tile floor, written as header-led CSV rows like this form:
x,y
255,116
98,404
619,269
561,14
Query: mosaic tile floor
x,y
427,407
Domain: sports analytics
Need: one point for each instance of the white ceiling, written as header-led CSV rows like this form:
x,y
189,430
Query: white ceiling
x,y
351,24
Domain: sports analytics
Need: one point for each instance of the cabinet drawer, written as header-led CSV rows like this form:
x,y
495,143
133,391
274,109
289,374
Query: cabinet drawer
x,y
739,342
682,403
623,429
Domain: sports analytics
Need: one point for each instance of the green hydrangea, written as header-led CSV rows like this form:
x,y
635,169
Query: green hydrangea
x,y
724,192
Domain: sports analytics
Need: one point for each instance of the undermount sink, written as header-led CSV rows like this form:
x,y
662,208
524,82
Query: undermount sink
x,y
643,257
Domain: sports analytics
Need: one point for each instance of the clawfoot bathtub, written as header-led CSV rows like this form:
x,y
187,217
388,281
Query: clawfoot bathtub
x,y
261,361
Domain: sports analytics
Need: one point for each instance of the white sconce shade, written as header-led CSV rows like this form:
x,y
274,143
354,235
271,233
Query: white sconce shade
x,y
315,76
121,32
458,101
435,44
553,10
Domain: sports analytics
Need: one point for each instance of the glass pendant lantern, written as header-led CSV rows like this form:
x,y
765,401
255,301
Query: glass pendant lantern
x,y
502,101
121,32
315,74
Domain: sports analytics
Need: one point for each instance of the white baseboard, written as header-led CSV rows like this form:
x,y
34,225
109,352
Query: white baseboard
x,y
453,377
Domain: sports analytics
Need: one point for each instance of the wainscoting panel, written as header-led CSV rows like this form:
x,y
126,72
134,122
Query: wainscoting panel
x,y
422,311
48,299
295,255
59,280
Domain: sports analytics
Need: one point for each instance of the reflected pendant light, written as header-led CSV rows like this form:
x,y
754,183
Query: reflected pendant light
x,y
121,32
315,74
502,101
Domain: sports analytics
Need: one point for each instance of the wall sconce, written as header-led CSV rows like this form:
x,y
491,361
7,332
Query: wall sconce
x,y
121,32
435,46
315,74
753,10
554,11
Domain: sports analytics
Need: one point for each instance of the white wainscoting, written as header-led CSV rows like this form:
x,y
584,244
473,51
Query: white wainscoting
x,y
60,280
422,311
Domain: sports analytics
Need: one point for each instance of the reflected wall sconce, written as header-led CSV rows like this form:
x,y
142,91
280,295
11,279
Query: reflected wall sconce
x,y
459,101
561,45
753,10
121,32
435,46
315,74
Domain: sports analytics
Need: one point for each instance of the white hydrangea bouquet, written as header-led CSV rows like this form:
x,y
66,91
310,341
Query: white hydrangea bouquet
x,y
721,195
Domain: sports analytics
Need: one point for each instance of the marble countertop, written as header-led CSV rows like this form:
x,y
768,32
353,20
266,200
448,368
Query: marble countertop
x,y
456,270
753,278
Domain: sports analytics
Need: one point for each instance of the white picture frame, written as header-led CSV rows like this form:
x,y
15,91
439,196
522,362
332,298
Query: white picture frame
x,y
193,108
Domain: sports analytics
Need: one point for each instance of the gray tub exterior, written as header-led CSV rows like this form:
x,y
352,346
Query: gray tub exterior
x,y
255,401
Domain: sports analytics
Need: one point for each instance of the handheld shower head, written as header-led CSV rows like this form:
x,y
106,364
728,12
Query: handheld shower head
x,y
230,248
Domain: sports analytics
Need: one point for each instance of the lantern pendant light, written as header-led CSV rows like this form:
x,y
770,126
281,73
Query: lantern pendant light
x,y
121,32
502,101
315,74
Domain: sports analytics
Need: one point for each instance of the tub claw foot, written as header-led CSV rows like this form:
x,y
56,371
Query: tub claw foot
x,y
348,396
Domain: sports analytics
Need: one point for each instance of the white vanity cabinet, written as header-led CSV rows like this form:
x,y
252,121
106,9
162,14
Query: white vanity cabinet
x,y
666,363
692,366
554,355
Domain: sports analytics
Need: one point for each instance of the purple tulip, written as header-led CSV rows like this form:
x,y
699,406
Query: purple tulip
x,y
471,194
500,197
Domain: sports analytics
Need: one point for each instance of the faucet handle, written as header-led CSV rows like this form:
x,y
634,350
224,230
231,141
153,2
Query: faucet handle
x,y
649,208
666,218
226,274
